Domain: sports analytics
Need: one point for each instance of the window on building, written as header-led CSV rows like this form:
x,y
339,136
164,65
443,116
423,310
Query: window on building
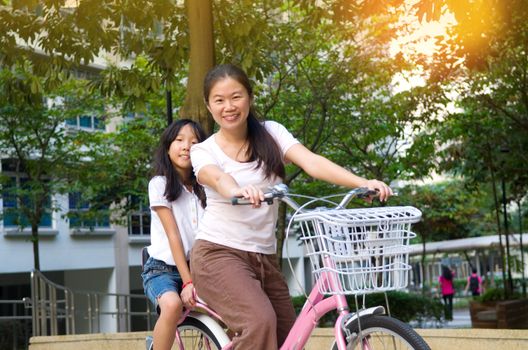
x,y
81,216
86,122
139,218
15,196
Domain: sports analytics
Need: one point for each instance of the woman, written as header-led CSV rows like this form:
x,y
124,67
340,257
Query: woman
x,y
235,268
176,203
446,287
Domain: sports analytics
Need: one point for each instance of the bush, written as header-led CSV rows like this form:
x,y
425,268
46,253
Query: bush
x,y
403,306
496,294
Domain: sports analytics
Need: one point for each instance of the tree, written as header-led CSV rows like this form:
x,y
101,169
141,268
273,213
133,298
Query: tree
x,y
201,59
483,63
119,169
305,56
320,87
451,210
38,151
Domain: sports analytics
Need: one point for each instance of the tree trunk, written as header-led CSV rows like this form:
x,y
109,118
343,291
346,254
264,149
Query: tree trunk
x,y
489,163
200,16
35,241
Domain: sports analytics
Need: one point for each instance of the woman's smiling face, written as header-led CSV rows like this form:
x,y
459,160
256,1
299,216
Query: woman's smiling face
x,y
229,103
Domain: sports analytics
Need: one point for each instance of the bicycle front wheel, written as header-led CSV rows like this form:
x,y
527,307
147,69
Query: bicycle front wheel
x,y
382,332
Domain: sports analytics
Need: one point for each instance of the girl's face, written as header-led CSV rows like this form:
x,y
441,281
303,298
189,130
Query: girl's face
x,y
179,150
229,103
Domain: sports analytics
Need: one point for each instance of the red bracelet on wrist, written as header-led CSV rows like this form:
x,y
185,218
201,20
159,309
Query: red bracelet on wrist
x,y
186,284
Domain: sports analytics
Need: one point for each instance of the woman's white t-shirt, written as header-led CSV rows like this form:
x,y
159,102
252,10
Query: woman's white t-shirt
x,y
241,227
187,211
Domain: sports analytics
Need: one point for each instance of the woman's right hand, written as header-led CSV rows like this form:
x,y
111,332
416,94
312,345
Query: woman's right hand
x,y
250,192
187,296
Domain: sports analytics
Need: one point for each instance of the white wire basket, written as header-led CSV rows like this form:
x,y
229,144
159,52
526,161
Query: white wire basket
x,y
359,251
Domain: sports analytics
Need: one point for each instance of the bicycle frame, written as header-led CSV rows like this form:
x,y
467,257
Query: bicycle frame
x,y
315,307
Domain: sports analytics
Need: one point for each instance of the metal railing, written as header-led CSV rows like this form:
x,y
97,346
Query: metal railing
x,y
15,323
57,309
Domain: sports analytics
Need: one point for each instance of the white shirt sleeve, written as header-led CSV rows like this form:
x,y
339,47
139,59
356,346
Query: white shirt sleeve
x,y
282,136
156,190
202,155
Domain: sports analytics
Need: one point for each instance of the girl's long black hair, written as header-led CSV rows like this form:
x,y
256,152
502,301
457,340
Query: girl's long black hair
x,y
261,145
163,165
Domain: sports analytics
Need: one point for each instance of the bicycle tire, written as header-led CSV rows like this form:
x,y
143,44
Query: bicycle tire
x,y
195,335
383,332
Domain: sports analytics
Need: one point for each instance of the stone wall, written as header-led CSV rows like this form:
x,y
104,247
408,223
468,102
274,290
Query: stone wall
x,y
438,339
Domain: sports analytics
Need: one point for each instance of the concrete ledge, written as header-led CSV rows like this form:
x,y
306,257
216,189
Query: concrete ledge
x,y
322,338
106,341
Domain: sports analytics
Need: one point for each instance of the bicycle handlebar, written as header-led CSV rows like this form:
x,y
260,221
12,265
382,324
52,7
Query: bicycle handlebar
x,y
280,191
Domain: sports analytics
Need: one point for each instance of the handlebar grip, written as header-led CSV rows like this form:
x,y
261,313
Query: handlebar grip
x,y
367,193
268,198
239,201
276,192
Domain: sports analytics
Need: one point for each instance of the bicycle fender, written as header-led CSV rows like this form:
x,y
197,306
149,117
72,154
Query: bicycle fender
x,y
376,310
211,323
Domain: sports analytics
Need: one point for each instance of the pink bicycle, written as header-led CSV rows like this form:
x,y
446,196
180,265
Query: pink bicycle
x,y
352,252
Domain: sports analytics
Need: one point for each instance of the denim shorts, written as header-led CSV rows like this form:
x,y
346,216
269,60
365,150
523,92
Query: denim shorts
x,y
159,278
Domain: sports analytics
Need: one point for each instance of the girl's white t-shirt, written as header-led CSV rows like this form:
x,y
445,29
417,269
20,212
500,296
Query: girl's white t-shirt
x,y
239,226
187,211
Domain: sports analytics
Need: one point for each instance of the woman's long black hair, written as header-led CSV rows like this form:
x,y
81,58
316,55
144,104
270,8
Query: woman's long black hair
x,y
163,165
261,145
446,273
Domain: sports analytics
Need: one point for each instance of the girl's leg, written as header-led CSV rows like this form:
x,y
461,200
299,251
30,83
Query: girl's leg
x,y
171,308
162,284
229,282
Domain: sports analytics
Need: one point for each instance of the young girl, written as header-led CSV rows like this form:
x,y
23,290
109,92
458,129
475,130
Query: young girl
x,y
176,204
235,245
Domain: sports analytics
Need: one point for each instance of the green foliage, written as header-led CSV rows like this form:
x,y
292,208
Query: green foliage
x,y
450,210
481,67
403,306
497,294
73,36
35,142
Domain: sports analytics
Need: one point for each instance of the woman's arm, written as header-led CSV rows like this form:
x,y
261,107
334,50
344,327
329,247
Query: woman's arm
x,y
173,234
322,168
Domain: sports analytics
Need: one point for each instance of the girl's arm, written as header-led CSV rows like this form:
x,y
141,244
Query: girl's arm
x,y
226,185
322,168
173,234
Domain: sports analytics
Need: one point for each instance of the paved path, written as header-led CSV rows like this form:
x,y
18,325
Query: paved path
x,y
461,319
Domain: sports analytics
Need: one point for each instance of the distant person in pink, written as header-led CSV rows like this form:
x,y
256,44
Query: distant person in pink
x,y
446,287
474,284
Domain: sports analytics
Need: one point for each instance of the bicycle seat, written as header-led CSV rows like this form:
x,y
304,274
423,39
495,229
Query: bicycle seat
x,y
144,257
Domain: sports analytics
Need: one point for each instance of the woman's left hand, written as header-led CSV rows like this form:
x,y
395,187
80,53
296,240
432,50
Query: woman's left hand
x,y
383,189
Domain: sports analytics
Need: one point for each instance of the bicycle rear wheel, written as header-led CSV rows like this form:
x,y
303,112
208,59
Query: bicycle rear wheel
x,y
196,335
383,332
